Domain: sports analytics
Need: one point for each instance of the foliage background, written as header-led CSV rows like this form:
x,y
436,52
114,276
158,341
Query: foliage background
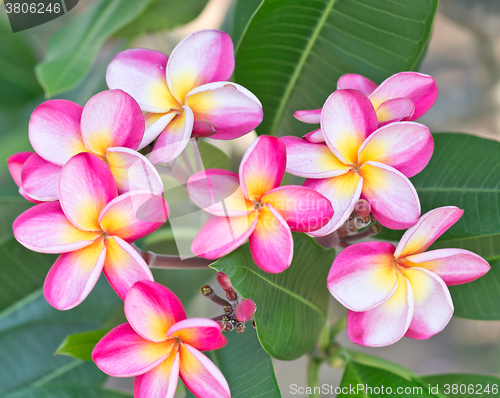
x,y
462,57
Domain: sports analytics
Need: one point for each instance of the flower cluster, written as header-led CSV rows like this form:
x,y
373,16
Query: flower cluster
x,y
96,194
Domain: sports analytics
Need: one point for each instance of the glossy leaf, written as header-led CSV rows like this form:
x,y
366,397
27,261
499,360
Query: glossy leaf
x,y
68,391
81,345
243,12
73,49
163,15
463,172
247,368
293,51
291,306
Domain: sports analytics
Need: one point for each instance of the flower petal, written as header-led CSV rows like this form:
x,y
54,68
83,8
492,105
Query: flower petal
x,y
155,124
141,73
394,110
386,323
218,192
86,185
174,138
134,215
363,275
221,235
309,160
315,136
200,333
343,192
73,276
311,117
433,304
271,243
133,171
428,228
262,167
453,266
228,108
419,88
160,382
46,229
348,118
15,164
54,131
393,199
303,209
152,310
356,82
203,57
112,119
124,266
406,146
200,375
40,179
123,353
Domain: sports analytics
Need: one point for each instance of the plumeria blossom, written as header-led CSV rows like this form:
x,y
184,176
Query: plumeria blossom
x,y
253,206
93,227
110,126
188,94
158,344
393,292
360,161
403,96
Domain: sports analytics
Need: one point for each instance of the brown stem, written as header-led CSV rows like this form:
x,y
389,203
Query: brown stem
x,y
167,261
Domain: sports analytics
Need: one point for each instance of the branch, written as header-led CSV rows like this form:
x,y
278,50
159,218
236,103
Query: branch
x,y
167,261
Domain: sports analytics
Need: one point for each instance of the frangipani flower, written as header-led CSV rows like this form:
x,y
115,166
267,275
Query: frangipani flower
x,y
253,206
110,126
360,161
395,292
186,95
159,344
403,96
93,227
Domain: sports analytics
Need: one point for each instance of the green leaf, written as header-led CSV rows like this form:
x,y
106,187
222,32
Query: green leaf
x,y
247,368
467,385
294,51
72,50
17,79
213,157
30,332
80,345
463,172
10,208
68,391
367,381
243,12
291,306
163,15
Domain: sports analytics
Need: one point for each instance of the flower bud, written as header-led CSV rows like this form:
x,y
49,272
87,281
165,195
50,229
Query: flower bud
x,y
245,310
362,208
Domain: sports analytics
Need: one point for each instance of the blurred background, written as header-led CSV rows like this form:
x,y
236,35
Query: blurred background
x,y
464,58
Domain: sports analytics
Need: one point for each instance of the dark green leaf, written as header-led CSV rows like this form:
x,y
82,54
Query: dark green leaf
x,y
17,60
10,208
242,14
247,368
81,345
163,15
72,50
213,157
294,51
291,306
467,386
68,391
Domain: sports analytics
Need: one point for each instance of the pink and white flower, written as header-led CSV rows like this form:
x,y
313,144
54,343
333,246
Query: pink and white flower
x,y
158,344
188,94
110,126
253,206
394,292
403,96
360,161
93,227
